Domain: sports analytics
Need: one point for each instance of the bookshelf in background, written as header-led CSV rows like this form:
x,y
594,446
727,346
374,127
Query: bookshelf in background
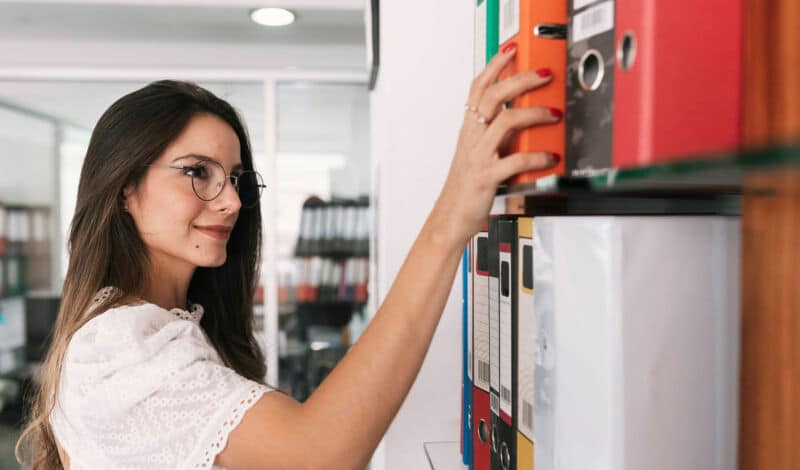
x,y
329,286
25,268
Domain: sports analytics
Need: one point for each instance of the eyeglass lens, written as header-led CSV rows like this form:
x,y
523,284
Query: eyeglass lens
x,y
208,180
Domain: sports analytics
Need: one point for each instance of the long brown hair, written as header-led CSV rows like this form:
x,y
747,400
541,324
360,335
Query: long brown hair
x,y
106,250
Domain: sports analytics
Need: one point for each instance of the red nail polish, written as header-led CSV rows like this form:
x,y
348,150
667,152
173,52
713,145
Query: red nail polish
x,y
544,73
556,157
556,112
509,47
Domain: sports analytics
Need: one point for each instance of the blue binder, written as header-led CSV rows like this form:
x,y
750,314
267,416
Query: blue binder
x,y
466,362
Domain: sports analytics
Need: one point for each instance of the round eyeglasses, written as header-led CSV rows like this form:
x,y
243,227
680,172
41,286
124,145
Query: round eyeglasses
x,y
209,178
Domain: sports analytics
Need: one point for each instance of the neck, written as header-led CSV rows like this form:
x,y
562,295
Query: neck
x,y
168,282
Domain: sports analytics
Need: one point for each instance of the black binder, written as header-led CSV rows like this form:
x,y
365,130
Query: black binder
x,y
590,86
494,342
507,260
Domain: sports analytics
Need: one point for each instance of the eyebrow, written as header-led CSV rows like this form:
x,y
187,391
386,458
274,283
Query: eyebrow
x,y
238,166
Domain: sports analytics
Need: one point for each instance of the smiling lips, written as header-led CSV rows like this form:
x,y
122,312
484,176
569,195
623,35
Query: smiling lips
x,y
218,232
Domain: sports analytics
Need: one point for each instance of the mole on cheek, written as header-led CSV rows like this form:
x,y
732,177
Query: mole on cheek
x,y
197,246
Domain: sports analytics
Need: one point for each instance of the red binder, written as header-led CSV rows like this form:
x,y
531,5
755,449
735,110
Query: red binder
x,y
481,415
677,79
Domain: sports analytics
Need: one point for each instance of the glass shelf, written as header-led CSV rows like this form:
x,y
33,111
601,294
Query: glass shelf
x,y
706,185
720,173
444,455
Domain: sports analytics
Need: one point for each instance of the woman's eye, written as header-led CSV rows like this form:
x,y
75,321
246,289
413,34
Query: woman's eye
x,y
196,171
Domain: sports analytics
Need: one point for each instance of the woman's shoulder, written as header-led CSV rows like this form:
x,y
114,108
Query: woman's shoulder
x,y
133,329
144,386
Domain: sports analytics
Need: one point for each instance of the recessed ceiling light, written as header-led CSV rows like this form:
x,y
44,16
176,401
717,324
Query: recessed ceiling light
x,y
272,16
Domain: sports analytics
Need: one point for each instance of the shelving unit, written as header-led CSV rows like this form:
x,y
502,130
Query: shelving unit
x,y
331,255
444,455
750,184
721,174
25,276
771,113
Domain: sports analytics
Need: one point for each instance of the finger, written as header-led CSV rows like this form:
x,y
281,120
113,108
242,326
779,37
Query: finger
x,y
516,119
517,163
510,88
489,75
506,146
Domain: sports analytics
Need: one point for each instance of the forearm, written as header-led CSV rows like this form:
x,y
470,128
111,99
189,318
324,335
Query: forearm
x,y
341,424
354,406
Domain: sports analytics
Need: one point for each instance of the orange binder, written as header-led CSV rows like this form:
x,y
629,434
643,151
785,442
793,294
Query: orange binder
x,y
538,27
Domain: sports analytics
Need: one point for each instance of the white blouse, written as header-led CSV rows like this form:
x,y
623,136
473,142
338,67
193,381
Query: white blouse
x,y
143,388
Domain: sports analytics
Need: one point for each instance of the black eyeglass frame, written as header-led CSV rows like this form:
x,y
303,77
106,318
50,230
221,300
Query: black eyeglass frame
x,y
234,179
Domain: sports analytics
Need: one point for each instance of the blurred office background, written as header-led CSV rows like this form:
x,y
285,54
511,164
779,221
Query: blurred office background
x,y
302,90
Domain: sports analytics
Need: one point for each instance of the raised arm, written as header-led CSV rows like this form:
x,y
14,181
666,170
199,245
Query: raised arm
x,y
342,422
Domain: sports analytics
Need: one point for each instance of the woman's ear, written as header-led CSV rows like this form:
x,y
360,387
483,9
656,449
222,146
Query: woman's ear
x,y
126,196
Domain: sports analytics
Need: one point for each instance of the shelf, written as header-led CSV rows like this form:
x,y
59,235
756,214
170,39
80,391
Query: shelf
x,y
444,455
336,255
332,303
706,184
14,295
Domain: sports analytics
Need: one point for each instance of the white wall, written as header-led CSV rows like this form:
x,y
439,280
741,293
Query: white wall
x,y
26,162
417,106
354,179
60,53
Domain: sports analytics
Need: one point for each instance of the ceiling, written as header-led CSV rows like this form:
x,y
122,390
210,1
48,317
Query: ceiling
x,y
179,23
326,35
183,36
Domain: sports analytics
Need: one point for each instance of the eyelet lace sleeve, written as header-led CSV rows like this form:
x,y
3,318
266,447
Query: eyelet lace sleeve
x,y
142,388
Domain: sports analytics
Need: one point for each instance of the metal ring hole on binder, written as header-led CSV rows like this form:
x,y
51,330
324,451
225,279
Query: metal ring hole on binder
x,y
626,51
591,70
505,456
494,438
483,431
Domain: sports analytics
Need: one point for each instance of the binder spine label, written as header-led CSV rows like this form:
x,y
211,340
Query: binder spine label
x,y
596,20
578,4
494,404
509,19
481,316
505,333
350,223
316,223
494,330
480,37
526,334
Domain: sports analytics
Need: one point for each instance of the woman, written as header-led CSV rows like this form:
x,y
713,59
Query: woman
x,y
153,362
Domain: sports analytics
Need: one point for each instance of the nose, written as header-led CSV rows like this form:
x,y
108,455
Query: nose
x,y
228,199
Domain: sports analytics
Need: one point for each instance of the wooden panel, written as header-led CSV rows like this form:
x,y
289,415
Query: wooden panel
x,y
769,430
771,71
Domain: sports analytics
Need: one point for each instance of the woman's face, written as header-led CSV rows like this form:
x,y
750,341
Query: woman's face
x,y
174,223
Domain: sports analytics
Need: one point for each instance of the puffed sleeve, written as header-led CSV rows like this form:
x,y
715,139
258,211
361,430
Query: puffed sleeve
x,y
142,388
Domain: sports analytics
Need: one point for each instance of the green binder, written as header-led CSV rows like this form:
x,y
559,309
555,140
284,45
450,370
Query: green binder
x,y
492,28
487,32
